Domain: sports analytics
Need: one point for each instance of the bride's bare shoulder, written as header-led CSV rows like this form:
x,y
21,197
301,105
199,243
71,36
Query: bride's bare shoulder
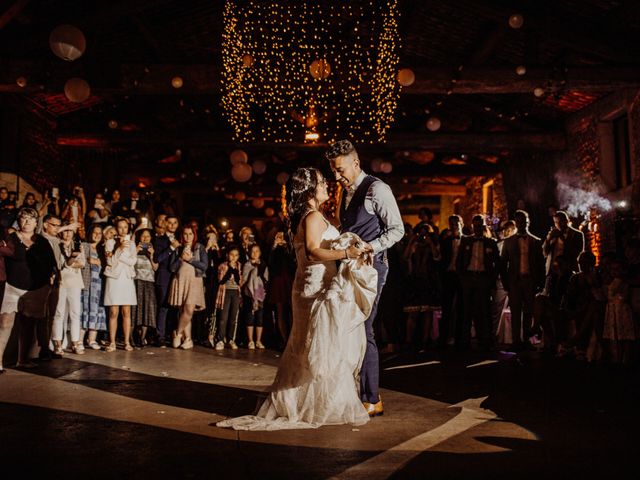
x,y
314,216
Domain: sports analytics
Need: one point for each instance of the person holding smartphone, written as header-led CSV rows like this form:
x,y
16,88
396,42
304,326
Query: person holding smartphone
x,y
187,287
69,294
120,290
145,311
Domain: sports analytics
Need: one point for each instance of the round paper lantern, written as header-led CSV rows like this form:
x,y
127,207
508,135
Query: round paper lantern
x,y
406,77
320,69
238,156
247,60
177,82
67,42
375,165
77,90
257,202
113,124
240,196
422,157
538,91
282,178
386,167
516,20
21,82
241,172
434,124
259,167
269,212
521,69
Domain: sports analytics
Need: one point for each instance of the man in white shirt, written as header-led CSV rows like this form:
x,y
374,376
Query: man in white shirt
x,y
369,209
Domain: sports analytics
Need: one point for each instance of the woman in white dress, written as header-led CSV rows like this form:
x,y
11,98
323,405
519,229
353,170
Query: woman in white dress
x,y
316,383
120,290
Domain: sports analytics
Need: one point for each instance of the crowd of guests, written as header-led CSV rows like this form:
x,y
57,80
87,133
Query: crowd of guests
x,y
128,273
445,287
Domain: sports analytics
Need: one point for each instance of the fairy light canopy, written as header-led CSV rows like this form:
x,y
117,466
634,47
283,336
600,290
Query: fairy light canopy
x,y
304,71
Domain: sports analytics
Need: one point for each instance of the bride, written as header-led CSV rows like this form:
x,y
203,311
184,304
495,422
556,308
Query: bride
x,y
316,383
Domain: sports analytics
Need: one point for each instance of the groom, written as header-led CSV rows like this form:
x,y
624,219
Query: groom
x,y
368,209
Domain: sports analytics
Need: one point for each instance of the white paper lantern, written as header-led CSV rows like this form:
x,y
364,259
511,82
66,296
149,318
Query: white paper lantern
x,y
259,167
320,69
521,70
406,77
386,167
241,172
434,124
77,90
516,20
282,178
375,165
240,196
257,202
238,156
538,91
67,42
177,82
269,212
113,124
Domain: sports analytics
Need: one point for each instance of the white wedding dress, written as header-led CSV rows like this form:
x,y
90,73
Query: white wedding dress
x,y
317,380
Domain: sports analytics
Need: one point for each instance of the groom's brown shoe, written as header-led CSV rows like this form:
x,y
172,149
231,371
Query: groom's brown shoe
x,y
374,409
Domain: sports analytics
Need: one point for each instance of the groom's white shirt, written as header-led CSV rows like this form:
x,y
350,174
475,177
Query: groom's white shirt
x,y
381,202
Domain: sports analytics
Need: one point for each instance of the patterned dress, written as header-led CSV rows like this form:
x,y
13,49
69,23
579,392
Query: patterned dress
x,y
94,315
144,313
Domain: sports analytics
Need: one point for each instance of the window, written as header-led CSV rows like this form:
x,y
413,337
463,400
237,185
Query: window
x,y
487,198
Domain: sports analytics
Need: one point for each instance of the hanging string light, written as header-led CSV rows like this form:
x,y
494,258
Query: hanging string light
x,y
283,58
283,201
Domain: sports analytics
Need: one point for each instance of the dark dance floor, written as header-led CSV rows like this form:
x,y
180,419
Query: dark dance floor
x,y
148,414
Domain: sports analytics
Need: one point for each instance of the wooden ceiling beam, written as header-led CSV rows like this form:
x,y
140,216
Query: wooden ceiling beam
x,y
11,12
451,143
140,79
429,80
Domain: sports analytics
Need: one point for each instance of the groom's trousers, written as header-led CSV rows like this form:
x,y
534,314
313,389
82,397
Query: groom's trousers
x,y
369,373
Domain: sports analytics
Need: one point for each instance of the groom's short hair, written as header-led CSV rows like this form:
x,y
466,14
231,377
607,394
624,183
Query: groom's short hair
x,y
340,148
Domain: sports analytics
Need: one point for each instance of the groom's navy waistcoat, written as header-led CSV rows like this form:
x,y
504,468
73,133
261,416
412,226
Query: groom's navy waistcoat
x,y
355,217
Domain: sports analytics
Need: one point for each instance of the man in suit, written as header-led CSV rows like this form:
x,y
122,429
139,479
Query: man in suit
x,y
368,209
478,262
563,240
451,288
522,274
135,207
164,248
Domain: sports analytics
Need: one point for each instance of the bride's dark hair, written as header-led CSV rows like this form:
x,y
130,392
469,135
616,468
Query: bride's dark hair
x,y
301,187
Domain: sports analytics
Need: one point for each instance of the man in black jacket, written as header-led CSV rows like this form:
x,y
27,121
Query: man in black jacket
x,y
164,249
478,262
451,288
522,274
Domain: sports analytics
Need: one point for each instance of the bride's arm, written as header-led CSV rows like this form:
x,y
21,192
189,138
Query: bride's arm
x,y
314,226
